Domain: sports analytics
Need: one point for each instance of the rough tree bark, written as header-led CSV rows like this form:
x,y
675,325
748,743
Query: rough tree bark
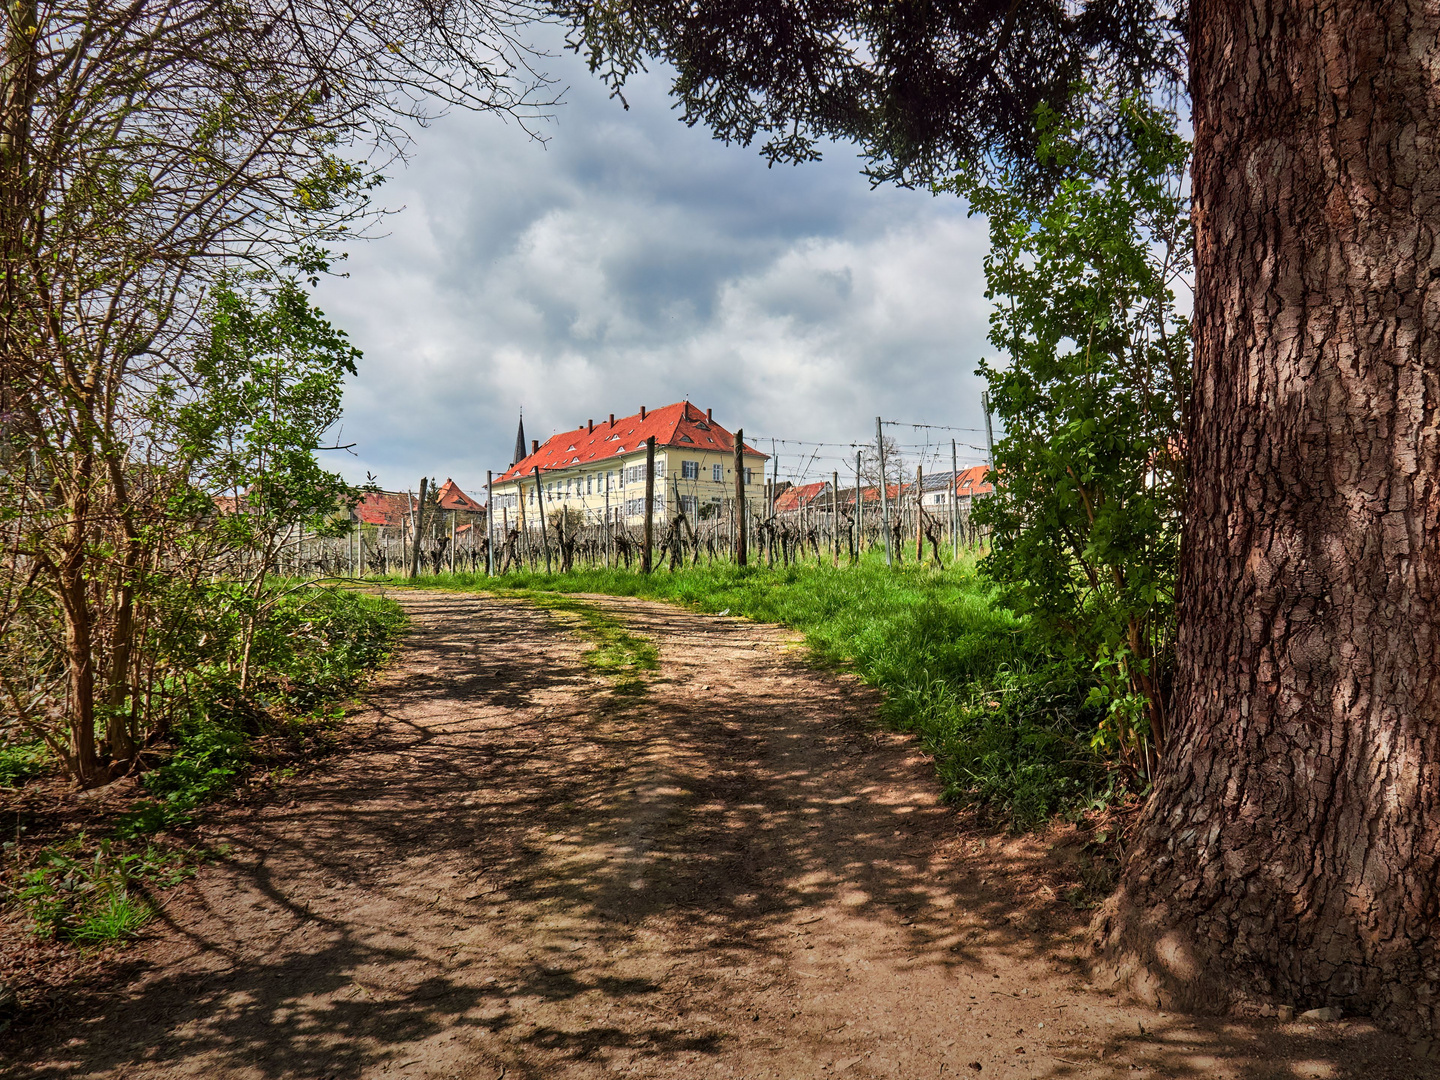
x,y
1290,850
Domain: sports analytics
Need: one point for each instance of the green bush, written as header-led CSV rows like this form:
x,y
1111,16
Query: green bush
x,y
314,647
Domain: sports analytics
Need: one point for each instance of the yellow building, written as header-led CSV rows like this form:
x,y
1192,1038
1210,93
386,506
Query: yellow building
x,y
600,468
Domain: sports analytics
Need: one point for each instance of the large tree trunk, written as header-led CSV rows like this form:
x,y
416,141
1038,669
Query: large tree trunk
x,y
1290,849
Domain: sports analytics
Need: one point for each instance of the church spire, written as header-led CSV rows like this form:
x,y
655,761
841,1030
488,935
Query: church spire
x,y
520,451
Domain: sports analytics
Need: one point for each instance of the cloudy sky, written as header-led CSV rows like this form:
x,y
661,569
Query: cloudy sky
x,y
630,260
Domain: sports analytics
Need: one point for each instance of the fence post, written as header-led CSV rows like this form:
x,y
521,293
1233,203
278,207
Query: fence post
x,y
544,527
740,497
884,495
649,503
954,502
489,523
416,521
919,513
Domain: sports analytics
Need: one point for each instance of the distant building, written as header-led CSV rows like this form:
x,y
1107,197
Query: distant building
x,y
798,498
964,486
603,464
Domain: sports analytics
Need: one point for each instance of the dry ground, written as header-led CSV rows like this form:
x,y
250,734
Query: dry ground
x,y
519,873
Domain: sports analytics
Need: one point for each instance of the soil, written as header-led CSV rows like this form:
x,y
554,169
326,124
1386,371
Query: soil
x,y
515,871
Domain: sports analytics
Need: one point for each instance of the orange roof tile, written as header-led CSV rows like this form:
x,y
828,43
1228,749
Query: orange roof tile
x,y
385,508
972,481
679,425
796,497
450,497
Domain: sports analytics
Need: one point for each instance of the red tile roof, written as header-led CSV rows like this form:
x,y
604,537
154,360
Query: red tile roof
x,y
387,508
796,497
680,425
972,481
450,497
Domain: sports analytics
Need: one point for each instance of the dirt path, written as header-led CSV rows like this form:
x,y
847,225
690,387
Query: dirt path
x,y
520,874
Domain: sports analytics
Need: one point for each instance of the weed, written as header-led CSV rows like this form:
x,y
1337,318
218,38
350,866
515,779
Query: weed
x,y
317,646
98,898
21,761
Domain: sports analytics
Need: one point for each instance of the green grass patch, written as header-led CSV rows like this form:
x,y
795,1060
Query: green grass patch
x,y
1005,716
101,897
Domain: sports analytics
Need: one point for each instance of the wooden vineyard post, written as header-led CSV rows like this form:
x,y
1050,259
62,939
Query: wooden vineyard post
x,y
609,533
645,556
489,523
522,547
774,494
919,513
954,502
417,520
859,511
452,541
884,495
835,515
740,497
544,528
989,433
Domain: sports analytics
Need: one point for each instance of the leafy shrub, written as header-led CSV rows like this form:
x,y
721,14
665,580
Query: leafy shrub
x,y
21,761
314,646
97,899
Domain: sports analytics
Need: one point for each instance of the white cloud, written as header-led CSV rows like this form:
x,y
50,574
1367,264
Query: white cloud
x,y
632,260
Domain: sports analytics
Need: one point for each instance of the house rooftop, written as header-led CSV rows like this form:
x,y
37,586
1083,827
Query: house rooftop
x,y
796,497
450,497
681,426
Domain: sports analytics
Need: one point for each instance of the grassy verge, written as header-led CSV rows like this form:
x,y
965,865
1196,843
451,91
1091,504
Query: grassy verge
x,y
1005,719
93,877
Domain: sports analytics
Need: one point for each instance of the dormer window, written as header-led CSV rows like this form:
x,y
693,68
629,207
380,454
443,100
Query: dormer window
x,y
700,425
686,438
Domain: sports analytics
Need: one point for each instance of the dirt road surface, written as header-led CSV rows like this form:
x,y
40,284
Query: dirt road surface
x,y
519,873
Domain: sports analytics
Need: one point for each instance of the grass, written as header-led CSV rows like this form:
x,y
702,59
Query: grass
x,y
98,898
24,760
1005,717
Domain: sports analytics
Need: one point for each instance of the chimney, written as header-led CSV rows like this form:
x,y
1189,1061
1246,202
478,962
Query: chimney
x,y
709,415
534,446
590,427
612,419
642,412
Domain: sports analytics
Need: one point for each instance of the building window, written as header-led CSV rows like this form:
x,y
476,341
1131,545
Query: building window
x,y
689,470
589,482
749,477
690,506
717,473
